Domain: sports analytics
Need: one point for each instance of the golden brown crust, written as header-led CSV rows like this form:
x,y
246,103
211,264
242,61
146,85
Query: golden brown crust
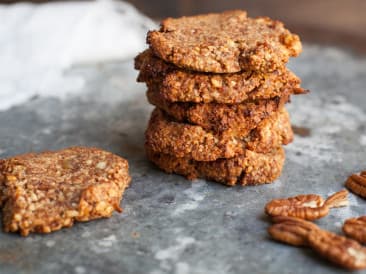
x,y
250,168
44,192
224,42
184,140
177,85
238,119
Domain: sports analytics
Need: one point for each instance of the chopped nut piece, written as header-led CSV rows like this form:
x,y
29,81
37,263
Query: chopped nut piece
x,y
101,165
216,82
357,183
340,250
43,192
356,228
308,207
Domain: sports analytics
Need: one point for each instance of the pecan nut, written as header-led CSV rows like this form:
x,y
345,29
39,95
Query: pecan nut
x,y
308,207
357,183
290,230
355,228
340,250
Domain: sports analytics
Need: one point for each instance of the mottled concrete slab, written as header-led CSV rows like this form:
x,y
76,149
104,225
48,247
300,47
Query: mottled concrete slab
x,y
170,225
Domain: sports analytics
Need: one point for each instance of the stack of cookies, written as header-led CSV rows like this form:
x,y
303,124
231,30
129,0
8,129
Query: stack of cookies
x,y
219,84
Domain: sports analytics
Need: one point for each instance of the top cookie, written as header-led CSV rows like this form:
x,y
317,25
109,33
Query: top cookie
x,y
224,42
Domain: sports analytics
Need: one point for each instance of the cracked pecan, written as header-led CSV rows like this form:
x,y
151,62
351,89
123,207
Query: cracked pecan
x,y
355,228
357,183
308,207
340,250
290,230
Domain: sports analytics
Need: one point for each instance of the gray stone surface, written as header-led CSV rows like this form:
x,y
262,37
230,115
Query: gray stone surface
x,y
169,224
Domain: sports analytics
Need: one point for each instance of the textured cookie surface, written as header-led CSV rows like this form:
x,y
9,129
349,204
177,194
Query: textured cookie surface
x,y
183,140
237,119
179,85
43,192
2,186
251,168
224,42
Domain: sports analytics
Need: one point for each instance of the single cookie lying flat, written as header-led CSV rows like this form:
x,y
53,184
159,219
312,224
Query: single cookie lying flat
x,y
184,140
224,42
251,168
237,120
43,192
177,85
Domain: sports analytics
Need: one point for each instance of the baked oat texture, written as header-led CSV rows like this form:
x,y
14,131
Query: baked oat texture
x,y
178,85
237,119
250,168
43,192
224,42
184,140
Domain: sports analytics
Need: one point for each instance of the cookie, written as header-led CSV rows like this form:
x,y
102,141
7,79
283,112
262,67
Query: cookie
x,y
178,85
251,168
224,42
238,119
43,192
163,135
2,186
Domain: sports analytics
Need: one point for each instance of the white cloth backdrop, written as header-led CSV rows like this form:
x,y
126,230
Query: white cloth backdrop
x,y
40,42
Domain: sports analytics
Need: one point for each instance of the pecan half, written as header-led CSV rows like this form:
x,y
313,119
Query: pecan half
x,y
357,183
290,230
355,228
340,250
308,207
